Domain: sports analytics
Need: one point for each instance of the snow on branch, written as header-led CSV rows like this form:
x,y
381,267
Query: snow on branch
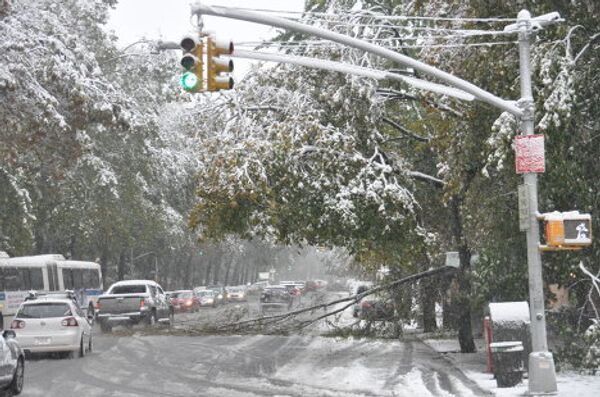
x,y
426,178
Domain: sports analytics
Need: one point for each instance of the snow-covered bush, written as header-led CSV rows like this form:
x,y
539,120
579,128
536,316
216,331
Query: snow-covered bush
x,y
592,357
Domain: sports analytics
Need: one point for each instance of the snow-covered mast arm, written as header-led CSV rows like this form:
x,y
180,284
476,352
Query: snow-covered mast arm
x,y
481,94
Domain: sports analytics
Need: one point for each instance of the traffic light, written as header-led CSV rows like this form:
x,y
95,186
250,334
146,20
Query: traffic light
x,y
567,230
191,61
215,66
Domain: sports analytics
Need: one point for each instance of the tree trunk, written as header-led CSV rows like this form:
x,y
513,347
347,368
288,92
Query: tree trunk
x,y
463,304
227,271
206,280
428,305
121,266
104,265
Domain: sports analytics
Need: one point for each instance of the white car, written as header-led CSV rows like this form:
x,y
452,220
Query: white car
x,y
48,324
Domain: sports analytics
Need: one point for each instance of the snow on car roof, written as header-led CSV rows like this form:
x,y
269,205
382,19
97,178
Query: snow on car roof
x,y
136,282
43,299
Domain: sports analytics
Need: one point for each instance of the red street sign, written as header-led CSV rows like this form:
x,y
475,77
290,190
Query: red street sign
x,y
529,153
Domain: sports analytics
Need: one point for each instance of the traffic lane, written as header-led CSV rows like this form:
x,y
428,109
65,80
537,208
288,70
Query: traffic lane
x,y
257,365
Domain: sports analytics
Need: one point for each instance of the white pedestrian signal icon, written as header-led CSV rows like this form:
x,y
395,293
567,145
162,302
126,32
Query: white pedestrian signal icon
x,y
582,231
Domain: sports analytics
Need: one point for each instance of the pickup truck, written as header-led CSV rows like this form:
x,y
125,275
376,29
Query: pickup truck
x,y
133,302
275,298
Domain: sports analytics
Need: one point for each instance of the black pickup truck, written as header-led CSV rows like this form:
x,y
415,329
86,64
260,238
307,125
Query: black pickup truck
x,y
276,298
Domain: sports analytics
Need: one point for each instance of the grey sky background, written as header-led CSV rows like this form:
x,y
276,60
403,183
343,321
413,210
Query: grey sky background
x,y
170,20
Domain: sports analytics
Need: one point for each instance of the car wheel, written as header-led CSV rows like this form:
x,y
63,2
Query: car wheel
x,y
82,350
93,317
151,320
16,385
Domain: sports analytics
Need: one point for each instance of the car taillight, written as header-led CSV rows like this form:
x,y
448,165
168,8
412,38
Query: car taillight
x,y
142,302
69,322
17,324
188,302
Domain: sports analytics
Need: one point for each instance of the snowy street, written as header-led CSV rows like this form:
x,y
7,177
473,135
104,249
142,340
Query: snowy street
x,y
248,366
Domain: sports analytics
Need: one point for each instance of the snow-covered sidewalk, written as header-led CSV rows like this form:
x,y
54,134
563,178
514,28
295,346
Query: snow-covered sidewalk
x,y
474,366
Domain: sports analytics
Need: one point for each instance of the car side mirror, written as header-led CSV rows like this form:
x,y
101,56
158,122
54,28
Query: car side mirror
x,y
9,334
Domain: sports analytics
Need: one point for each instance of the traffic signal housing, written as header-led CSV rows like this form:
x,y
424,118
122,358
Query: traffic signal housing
x,y
567,230
191,60
216,66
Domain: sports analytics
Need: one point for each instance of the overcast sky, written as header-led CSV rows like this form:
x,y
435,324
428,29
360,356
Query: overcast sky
x,y
170,20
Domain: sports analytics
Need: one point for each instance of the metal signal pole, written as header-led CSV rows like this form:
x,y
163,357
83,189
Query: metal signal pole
x,y
542,375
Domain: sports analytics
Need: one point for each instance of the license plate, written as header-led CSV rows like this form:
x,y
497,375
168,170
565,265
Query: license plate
x,y
42,341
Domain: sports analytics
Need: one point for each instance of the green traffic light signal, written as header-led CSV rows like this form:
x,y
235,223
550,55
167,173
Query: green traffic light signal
x,y
189,81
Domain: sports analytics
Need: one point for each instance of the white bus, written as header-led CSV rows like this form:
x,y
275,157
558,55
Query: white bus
x,y
46,273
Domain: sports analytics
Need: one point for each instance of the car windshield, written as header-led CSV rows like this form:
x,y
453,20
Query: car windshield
x,y
44,310
205,293
129,289
183,295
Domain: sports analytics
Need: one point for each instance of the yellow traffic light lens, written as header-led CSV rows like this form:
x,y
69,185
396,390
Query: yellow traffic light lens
x,y
189,81
188,61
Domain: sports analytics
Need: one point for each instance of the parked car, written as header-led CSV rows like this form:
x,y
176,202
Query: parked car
x,y
206,297
184,301
46,324
376,310
275,297
357,290
372,308
236,294
132,302
13,363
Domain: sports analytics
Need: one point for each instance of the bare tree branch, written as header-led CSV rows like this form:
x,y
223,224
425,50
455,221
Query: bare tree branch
x,y
395,94
405,131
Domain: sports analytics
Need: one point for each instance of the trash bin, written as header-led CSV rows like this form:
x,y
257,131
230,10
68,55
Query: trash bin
x,y
508,363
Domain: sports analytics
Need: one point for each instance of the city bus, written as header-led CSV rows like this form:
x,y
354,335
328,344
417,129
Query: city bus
x,y
46,273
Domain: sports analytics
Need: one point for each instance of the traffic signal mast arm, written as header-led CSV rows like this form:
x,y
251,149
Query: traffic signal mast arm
x,y
354,70
485,96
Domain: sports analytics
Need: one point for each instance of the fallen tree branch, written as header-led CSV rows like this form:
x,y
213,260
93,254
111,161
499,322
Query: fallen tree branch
x,y
270,320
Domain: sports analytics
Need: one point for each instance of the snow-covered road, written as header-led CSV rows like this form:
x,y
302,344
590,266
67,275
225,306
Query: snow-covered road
x,y
256,365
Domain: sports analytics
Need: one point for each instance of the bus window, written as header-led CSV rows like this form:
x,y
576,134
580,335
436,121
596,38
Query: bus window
x,y
12,279
91,279
37,278
78,279
21,279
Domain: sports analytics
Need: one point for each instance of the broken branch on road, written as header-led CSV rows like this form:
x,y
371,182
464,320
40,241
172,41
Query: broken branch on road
x,y
273,323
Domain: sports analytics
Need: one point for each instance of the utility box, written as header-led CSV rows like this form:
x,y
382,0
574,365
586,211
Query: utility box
x,y
510,322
